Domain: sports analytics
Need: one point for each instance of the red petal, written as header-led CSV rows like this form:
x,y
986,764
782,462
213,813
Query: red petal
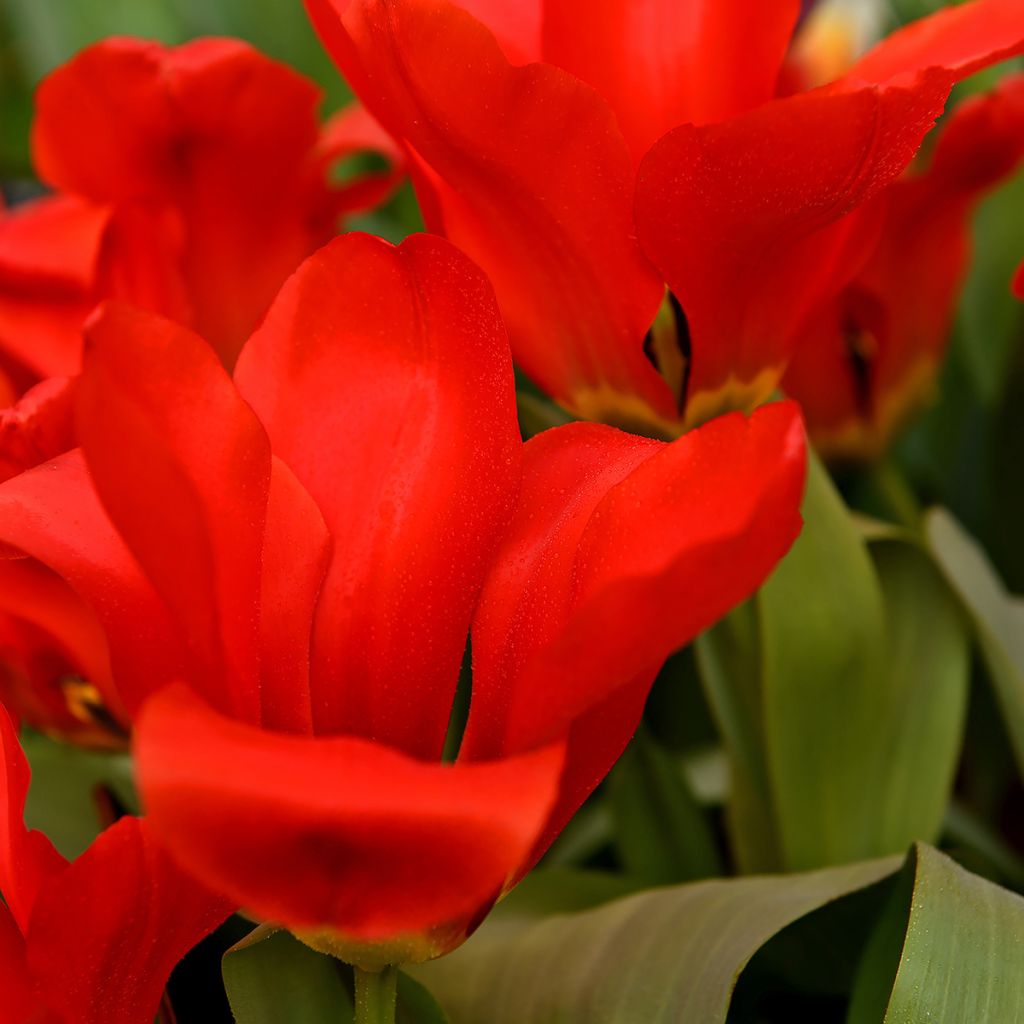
x,y
107,932
662,63
38,428
183,468
555,234
27,858
1018,282
56,239
296,550
653,544
52,513
516,26
384,380
732,216
337,833
960,39
20,1003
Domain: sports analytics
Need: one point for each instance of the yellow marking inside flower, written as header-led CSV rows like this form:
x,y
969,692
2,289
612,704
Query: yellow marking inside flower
x,y
835,34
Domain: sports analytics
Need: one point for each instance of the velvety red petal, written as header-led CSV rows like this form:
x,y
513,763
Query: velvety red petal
x,y
52,514
961,39
296,549
732,214
516,26
56,239
383,377
624,551
39,427
662,63
525,169
20,1003
27,858
106,933
338,833
182,467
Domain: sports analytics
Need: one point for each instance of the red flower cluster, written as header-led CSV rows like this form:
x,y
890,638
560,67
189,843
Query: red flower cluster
x,y
253,534
650,146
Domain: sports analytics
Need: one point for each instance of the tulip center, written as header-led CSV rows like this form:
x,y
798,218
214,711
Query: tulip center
x,y
668,347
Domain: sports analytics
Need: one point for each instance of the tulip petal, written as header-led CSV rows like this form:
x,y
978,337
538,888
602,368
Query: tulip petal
x,y
20,1003
516,26
383,377
106,933
39,427
592,592
732,215
660,63
962,39
525,169
53,514
377,845
182,466
27,858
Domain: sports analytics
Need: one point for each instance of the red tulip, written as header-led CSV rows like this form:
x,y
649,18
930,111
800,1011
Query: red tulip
x,y
190,180
644,147
869,357
93,941
306,547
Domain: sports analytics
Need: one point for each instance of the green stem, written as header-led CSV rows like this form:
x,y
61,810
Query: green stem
x,y
376,995
896,494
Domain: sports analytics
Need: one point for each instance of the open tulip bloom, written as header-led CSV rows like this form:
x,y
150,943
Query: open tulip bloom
x,y
587,155
282,569
189,180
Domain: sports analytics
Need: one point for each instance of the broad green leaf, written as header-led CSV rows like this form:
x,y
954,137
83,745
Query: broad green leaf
x,y
823,686
275,979
665,955
950,949
415,1003
661,833
62,799
994,613
920,725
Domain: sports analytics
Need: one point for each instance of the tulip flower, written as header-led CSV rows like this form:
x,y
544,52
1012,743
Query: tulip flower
x,y
586,155
95,940
190,180
286,566
869,357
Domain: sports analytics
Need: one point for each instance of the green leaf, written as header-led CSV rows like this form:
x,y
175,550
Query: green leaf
x,y
842,703
415,1003
661,833
823,687
661,956
950,949
272,978
996,617
62,799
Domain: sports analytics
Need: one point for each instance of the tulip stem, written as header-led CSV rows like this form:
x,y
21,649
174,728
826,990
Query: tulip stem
x,y
376,995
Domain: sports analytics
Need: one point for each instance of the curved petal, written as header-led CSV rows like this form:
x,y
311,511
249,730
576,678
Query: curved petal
x,y
39,427
383,377
516,25
662,63
1018,282
182,466
340,834
296,550
52,514
20,1002
732,215
106,932
27,858
528,173
962,39
641,559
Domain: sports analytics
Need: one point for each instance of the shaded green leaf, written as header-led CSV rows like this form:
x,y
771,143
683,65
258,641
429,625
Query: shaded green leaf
x,y
661,833
665,955
951,949
996,617
272,978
